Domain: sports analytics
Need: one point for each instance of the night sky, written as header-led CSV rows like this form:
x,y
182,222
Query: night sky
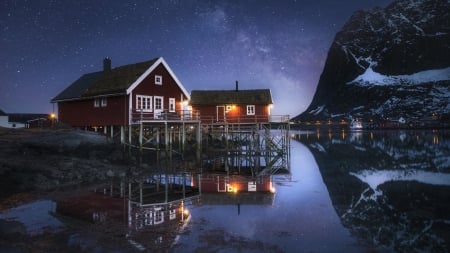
x,y
281,45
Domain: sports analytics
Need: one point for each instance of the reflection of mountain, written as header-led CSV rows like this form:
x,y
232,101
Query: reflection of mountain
x,y
391,189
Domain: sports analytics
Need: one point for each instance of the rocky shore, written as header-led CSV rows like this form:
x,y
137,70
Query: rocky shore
x,y
50,165
35,160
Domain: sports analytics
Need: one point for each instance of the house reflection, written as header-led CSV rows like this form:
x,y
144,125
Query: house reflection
x,y
154,209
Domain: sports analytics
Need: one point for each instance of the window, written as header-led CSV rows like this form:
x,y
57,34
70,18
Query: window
x,y
171,104
158,79
103,102
159,216
158,103
143,103
250,110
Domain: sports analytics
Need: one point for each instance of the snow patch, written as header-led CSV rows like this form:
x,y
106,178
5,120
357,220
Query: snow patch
x,y
374,178
370,77
319,147
318,110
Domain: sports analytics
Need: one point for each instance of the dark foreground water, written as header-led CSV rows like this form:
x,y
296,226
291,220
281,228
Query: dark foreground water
x,y
347,192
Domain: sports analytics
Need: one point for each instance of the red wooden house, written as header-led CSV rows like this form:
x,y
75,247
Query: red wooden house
x,y
122,95
232,106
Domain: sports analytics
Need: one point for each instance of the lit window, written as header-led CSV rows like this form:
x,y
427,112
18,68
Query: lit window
x,y
158,79
171,104
250,110
143,103
104,102
96,102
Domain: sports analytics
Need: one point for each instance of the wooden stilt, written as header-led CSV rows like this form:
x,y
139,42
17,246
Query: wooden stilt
x,y
140,192
166,136
122,134
140,136
199,141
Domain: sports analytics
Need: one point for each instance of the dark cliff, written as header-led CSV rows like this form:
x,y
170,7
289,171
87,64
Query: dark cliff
x,y
392,62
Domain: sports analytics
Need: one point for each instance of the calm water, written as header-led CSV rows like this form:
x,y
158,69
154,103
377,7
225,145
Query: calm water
x,y
347,192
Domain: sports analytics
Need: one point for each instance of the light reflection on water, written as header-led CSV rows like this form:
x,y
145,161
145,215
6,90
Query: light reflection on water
x,y
301,219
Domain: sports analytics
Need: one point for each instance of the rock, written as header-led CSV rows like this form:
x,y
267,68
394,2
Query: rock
x,y
110,173
11,227
379,65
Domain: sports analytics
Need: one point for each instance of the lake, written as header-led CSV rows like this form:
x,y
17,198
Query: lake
x,y
364,191
347,192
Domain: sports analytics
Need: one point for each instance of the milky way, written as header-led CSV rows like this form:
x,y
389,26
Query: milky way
x,y
281,45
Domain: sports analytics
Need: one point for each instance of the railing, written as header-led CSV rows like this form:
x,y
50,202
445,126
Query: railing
x,y
138,116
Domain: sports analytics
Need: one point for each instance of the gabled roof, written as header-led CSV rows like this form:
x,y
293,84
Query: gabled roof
x,y
117,81
79,87
221,97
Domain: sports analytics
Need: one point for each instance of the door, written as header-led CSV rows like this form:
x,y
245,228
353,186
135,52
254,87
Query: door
x,y
158,106
220,113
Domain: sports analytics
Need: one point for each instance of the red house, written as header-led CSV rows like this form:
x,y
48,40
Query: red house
x,y
122,95
232,106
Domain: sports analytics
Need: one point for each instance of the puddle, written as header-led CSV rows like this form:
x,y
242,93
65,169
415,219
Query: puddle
x,y
35,217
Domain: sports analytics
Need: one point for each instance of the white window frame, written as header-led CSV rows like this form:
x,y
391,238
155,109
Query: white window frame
x,y
96,102
144,103
158,79
104,102
162,102
158,215
172,105
251,109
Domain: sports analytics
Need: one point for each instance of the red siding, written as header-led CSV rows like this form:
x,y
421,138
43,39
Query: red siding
x,y
83,112
237,114
168,89
220,183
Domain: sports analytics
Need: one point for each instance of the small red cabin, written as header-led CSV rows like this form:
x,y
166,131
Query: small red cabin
x,y
232,106
122,95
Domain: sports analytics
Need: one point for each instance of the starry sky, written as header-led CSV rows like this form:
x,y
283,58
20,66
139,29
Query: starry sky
x,y
281,45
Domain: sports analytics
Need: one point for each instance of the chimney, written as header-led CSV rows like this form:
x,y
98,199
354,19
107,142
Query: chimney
x,y
106,64
237,86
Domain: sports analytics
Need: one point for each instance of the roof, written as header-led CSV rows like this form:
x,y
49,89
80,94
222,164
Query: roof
x,y
79,87
215,97
103,83
2,113
26,117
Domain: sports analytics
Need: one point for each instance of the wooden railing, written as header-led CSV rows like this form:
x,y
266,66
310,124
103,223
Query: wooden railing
x,y
138,116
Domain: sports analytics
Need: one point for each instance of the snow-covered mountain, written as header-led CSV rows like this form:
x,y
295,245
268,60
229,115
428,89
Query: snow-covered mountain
x,y
388,63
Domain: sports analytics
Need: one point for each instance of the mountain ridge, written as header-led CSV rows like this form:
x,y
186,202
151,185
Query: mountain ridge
x,y
376,64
